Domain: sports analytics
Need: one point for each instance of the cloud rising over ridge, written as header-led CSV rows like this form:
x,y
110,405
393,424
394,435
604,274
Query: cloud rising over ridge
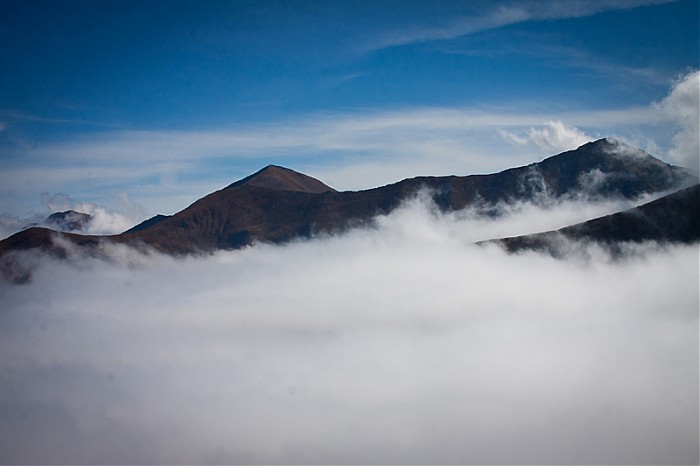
x,y
103,220
552,136
682,106
399,344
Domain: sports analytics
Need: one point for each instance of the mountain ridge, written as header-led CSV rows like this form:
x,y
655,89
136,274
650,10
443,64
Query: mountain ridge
x,y
669,219
276,204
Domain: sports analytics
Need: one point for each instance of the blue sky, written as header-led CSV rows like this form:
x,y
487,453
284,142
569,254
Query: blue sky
x,y
143,107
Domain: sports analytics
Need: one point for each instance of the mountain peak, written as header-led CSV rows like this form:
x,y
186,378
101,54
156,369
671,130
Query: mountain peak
x,y
615,147
282,179
605,142
67,221
609,154
70,220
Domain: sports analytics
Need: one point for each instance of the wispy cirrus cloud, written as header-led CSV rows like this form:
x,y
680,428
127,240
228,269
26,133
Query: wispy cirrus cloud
x,y
15,115
500,15
550,53
407,134
329,131
354,150
348,150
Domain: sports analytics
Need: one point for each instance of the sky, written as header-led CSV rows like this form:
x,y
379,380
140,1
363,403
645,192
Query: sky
x,y
128,109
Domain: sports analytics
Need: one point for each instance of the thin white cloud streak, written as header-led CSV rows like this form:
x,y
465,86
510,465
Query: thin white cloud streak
x,y
403,135
400,344
352,150
323,132
14,115
569,57
502,15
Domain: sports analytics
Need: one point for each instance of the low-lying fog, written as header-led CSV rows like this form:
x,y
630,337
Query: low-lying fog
x,y
400,344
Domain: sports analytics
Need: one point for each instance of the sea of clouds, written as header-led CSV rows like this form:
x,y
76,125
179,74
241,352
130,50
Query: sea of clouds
x,y
401,343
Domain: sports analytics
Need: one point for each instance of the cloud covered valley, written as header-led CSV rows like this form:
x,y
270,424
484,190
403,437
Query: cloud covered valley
x,y
401,343
347,232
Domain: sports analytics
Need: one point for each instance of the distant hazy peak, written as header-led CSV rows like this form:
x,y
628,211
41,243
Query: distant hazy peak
x,y
283,179
70,220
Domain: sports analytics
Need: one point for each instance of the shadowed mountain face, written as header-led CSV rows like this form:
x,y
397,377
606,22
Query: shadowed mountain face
x,y
148,223
674,218
277,204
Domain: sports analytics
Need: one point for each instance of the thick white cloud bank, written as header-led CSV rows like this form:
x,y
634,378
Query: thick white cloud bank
x,y
402,344
682,106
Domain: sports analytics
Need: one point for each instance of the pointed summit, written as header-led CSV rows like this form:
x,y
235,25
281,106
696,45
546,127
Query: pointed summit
x,y
609,166
608,148
283,179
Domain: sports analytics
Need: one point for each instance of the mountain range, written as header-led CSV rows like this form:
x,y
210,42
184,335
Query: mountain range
x,y
276,205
